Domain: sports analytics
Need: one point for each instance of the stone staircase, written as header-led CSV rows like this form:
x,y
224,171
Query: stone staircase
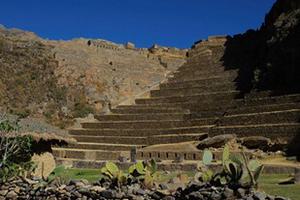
x,y
200,99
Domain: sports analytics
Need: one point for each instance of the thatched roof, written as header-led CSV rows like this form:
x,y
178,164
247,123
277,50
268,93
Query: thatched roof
x,y
53,138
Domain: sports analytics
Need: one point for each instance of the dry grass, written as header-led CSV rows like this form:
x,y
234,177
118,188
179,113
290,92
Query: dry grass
x,y
37,137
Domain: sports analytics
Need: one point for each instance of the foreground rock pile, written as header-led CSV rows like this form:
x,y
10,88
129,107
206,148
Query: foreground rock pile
x,y
19,188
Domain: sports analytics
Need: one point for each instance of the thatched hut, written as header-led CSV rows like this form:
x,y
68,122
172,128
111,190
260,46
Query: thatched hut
x,y
41,148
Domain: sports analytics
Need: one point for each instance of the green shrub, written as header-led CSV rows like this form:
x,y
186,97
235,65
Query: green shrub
x,y
82,110
15,152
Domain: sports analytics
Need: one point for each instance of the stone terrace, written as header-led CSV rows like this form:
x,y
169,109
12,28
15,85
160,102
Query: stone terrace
x,y
200,99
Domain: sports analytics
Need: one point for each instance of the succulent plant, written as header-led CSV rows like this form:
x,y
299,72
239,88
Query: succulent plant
x,y
237,170
145,172
207,157
112,172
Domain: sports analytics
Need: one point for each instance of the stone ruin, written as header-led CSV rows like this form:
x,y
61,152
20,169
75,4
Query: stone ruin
x,y
200,100
238,87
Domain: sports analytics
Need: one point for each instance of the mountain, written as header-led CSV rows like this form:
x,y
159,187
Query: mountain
x,y
62,80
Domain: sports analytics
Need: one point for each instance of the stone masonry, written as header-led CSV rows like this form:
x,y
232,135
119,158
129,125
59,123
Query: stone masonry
x,y
200,99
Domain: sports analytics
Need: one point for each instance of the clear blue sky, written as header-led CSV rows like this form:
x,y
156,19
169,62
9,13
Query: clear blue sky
x,y
167,22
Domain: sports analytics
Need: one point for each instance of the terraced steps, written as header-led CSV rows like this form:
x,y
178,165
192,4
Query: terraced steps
x,y
133,140
205,78
199,100
281,131
201,67
262,108
152,124
146,116
215,80
147,110
230,75
193,90
214,96
190,107
295,98
142,141
104,146
282,116
141,132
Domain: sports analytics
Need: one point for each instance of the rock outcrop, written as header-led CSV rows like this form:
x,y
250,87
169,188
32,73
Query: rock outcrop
x,y
268,58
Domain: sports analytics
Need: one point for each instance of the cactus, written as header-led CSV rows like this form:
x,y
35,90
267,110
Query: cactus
x,y
148,180
112,172
256,168
207,157
207,176
145,172
151,166
237,170
140,168
226,154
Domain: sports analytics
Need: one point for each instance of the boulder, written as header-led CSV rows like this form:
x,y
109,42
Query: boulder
x,y
216,142
256,142
45,164
129,45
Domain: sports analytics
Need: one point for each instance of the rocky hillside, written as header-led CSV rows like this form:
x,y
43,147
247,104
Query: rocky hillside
x,y
61,80
27,81
269,58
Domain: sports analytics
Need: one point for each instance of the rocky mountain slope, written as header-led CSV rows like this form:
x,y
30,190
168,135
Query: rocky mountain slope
x,y
269,58
61,80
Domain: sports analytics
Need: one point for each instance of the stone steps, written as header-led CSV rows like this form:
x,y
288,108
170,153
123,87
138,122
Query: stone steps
x,y
142,141
193,90
104,146
192,75
175,138
150,124
283,116
202,104
146,116
201,66
293,98
133,140
85,154
212,96
211,107
281,131
133,109
141,132
262,108
216,80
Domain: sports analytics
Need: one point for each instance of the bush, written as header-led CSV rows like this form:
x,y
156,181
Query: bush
x,y
82,110
15,152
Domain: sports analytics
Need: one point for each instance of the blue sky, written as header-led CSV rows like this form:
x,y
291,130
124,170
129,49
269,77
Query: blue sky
x,y
176,23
